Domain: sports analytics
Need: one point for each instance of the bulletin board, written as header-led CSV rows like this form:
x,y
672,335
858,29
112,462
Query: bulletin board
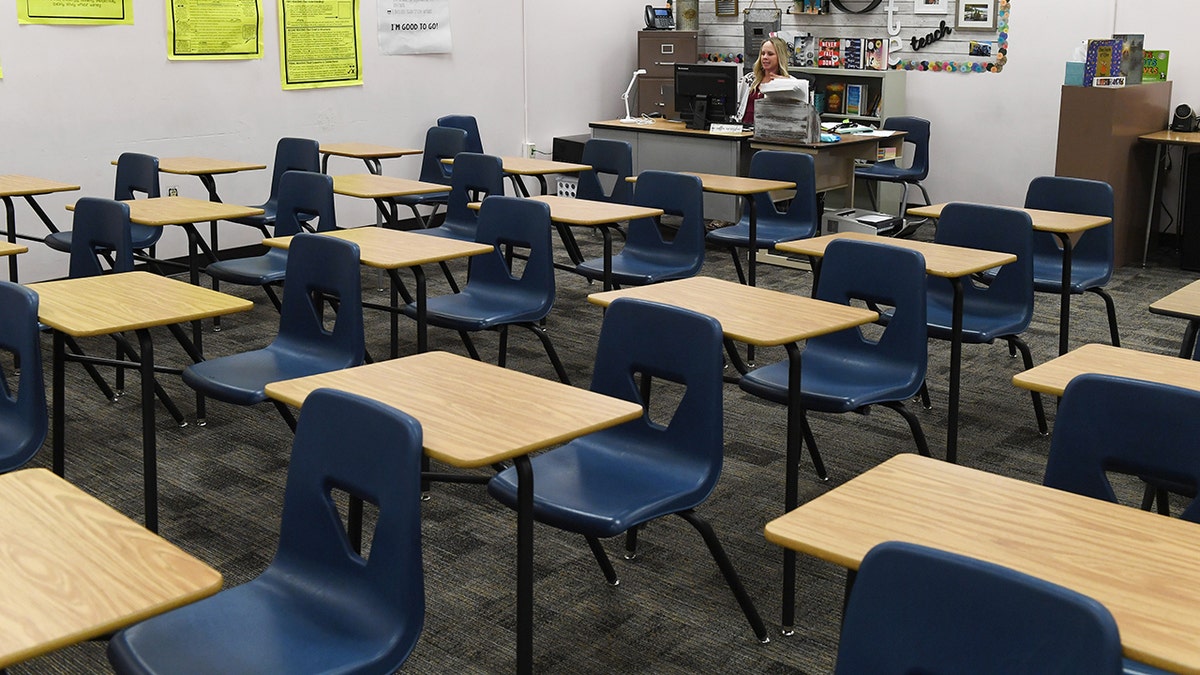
x,y
950,36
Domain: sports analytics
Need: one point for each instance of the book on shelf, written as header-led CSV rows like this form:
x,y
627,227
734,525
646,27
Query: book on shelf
x,y
854,99
852,53
1132,56
875,54
835,98
1154,66
1103,60
829,53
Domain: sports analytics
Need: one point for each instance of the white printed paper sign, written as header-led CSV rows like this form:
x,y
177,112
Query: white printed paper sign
x,y
414,26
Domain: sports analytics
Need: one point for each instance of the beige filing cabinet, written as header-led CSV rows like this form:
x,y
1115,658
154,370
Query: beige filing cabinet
x,y
658,52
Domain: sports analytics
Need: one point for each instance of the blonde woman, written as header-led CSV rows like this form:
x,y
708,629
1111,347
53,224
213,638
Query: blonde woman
x,y
771,64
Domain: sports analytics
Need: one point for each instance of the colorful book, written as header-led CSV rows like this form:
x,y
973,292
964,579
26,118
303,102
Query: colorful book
x,y
1154,67
829,53
1132,56
854,99
835,98
804,50
875,55
1103,60
852,53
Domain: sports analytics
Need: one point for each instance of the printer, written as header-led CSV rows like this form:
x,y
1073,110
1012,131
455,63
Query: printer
x,y
859,220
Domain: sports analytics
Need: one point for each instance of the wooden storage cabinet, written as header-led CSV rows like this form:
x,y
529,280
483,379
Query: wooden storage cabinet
x,y
658,52
883,95
1098,131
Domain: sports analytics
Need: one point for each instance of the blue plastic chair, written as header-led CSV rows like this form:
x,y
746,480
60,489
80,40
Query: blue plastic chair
x,y
1003,308
475,176
494,298
136,174
915,609
440,143
291,154
799,220
468,124
1092,254
612,160
102,231
647,258
319,268
847,371
319,607
302,195
891,172
24,422
615,480
1115,424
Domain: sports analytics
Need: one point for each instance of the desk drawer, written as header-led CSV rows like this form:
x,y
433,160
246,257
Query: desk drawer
x,y
656,94
659,51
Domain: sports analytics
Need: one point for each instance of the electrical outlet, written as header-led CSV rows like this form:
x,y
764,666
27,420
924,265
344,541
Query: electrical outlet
x,y
528,149
172,191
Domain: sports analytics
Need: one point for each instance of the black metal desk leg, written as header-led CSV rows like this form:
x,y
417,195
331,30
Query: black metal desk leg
x,y
608,255
524,564
422,323
1064,312
57,405
149,446
393,277
11,220
752,262
1188,349
795,437
955,372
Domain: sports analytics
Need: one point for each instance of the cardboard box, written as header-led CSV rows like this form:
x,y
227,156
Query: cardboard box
x,y
859,220
786,121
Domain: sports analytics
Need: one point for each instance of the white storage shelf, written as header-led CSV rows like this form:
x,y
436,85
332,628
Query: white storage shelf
x,y
883,91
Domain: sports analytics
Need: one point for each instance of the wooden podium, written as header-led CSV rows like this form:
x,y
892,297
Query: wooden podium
x,y
1098,131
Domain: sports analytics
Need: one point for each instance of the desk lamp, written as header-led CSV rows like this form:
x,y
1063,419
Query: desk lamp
x,y
630,119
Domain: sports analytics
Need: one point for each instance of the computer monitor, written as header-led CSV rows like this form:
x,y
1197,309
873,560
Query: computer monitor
x,y
706,93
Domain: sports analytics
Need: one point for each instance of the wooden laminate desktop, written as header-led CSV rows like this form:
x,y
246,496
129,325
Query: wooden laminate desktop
x,y
384,189
670,146
114,303
391,250
763,318
27,188
369,153
74,569
1066,227
599,215
7,249
1182,304
953,263
473,415
1053,376
1141,566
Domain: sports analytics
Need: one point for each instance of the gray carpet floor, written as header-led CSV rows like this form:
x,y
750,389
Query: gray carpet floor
x,y
221,488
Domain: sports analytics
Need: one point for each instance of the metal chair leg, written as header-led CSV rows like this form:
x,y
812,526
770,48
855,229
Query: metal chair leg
x,y
914,425
631,539
1015,342
551,353
610,574
1112,315
731,576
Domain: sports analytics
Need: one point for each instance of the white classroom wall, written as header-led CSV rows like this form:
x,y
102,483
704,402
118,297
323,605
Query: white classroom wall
x,y
73,98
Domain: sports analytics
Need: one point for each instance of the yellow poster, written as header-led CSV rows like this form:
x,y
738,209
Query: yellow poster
x,y
79,12
320,43
214,29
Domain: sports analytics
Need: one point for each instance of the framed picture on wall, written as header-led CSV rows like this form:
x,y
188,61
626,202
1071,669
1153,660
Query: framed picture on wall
x,y
931,6
727,7
976,14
